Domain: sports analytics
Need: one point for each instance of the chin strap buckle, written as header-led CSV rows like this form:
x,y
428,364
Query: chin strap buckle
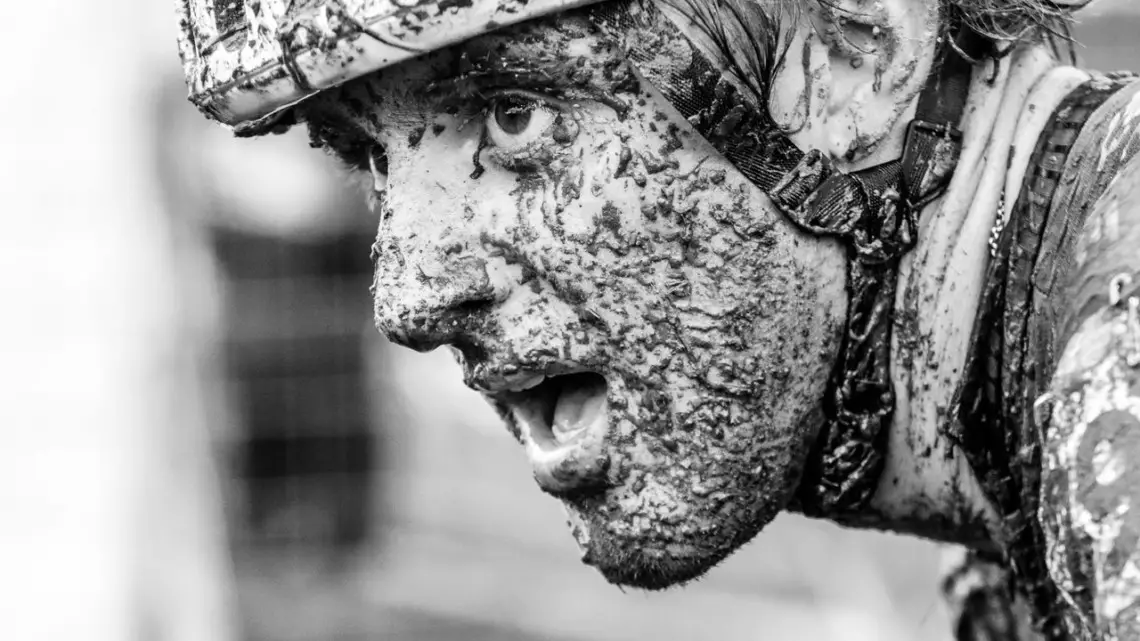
x,y
930,154
791,193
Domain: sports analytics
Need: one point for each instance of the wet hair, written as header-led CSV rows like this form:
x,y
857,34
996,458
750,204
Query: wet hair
x,y
1010,20
1004,23
746,36
1007,23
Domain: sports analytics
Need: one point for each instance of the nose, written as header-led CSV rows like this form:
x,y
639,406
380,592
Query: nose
x,y
422,302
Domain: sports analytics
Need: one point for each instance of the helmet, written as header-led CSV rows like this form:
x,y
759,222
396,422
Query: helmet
x,y
246,61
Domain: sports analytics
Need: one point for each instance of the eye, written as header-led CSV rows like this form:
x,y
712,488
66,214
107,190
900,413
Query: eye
x,y
513,115
516,121
352,149
378,165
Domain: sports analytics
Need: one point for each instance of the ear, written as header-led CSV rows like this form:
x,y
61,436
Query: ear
x,y
853,71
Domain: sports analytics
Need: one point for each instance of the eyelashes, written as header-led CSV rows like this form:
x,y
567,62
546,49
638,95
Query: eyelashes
x,y
356,152
353,150
378,167
472,90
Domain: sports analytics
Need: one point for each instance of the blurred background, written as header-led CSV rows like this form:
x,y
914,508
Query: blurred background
x,y
204,439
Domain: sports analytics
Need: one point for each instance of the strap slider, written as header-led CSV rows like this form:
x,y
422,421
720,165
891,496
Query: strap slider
x,y
929,157
794,188
897,231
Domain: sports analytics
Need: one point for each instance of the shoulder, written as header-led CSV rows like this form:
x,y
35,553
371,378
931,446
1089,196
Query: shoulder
x,y
1089,232
1103,209
1091,421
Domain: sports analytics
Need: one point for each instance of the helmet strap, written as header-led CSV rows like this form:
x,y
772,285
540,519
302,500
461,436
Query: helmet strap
x,y
874,211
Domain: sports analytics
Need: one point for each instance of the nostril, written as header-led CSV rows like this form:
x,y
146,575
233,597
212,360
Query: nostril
x,y
419,344
474,306
432,326
410,335
424,304
470,350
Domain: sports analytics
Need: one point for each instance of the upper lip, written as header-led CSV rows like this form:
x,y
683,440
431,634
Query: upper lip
x,y
509,378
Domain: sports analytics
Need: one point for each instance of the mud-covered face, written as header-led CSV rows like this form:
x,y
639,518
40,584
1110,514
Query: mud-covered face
x,y
648,326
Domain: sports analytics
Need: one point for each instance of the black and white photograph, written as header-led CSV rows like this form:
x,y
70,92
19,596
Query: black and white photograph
x,y
570,320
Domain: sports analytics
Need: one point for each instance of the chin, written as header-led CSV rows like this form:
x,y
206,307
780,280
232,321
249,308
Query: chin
x,y
663,474
666,545
647,571
650,569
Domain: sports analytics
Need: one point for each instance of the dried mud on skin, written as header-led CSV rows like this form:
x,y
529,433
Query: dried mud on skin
x,y
633,252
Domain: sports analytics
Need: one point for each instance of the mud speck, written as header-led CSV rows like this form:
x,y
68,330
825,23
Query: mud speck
x,y
610,218
415,136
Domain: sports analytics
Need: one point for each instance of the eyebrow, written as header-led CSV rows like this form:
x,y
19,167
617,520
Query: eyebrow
x,y
460,76
493,59
535,55
469,82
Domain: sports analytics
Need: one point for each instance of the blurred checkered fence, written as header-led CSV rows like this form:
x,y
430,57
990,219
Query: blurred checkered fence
x,y
307,458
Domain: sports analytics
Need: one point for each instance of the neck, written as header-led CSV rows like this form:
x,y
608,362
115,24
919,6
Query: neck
x,y
927,488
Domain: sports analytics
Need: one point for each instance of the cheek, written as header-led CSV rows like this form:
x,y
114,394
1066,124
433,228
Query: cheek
x,y
440,184
610,194
583,190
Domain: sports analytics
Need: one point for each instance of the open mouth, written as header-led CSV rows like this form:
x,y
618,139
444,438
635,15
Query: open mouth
x,y
561,410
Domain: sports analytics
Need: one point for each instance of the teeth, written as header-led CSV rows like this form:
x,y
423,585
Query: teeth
x,y
524,384
511,383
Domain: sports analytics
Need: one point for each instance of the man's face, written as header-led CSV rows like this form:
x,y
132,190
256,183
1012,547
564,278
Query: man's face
x,y
641,317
